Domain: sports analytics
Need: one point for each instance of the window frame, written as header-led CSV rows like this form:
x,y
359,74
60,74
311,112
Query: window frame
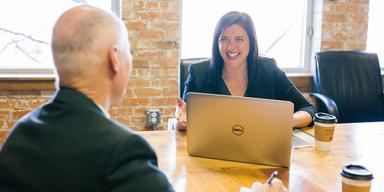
x,y
307,40
116,8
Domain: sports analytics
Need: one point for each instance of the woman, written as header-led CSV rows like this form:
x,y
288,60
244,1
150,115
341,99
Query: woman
x,y
237,69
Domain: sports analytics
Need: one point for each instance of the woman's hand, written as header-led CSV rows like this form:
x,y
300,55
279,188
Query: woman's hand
x,y
181,115
301,119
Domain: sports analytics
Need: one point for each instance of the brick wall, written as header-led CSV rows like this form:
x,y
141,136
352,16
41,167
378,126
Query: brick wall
x,y
155,38
15,104
344,24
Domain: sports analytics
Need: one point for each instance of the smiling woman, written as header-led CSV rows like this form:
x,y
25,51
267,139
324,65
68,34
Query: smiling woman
x,y
237,69
25,32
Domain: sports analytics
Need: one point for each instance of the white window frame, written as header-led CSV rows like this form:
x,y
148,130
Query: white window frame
x,y
306,50
43,72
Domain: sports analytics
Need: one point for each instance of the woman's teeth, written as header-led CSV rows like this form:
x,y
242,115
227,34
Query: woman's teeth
x,y
233,55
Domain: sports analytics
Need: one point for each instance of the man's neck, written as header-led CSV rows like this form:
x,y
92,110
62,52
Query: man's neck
x,y
97,92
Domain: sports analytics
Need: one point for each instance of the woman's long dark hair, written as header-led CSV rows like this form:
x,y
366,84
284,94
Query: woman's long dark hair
x,y
245,21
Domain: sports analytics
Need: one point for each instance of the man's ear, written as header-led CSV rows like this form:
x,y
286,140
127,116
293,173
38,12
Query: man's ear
x,y
114,61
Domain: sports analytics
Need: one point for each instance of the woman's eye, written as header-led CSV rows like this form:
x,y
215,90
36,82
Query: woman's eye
x,y
224,41
240,40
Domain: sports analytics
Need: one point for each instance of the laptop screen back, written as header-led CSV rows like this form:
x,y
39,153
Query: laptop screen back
x,y
241,129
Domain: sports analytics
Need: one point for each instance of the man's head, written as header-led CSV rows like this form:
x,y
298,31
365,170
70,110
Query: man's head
x,y
91,51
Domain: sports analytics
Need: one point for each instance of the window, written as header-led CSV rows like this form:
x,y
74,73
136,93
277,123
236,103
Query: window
x,y
25,32
280,28
375,29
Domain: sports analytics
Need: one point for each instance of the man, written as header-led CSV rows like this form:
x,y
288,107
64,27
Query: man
x,y
70,144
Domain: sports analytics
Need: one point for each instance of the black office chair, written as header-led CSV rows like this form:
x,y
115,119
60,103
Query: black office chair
x,y
348,85
184,71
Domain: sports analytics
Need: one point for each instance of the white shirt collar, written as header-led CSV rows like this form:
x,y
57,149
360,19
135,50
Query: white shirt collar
x,y
105,112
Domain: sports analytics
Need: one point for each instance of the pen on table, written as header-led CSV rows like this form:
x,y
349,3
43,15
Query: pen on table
x,y
273,175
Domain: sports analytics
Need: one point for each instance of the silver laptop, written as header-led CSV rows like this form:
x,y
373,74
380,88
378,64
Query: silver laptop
x,y
241,129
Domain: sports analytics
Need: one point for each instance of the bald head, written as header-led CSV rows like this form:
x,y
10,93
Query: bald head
x,y
82,37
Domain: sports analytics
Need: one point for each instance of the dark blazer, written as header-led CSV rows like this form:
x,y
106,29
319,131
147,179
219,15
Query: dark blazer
x,y
268,81
69,145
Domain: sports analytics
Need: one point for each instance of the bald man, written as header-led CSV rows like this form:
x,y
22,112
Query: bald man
x,y
70,143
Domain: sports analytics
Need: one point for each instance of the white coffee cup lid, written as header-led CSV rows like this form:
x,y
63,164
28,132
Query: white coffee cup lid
x,y
356,172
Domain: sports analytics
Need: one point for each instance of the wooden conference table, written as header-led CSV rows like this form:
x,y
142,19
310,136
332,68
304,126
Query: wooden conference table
x,y
311,170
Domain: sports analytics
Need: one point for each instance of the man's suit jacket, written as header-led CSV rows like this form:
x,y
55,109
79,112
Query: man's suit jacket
x,y
69,145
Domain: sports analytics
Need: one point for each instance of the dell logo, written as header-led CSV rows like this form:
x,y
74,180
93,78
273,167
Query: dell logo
x,y
237,130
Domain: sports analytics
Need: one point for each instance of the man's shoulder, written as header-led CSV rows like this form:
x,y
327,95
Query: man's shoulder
x,y
122,133
118,128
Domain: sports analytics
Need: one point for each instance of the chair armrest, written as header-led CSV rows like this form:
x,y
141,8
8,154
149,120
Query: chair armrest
x,y
328,103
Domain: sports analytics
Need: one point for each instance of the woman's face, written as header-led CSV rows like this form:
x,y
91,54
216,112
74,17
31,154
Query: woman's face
x,y
234,45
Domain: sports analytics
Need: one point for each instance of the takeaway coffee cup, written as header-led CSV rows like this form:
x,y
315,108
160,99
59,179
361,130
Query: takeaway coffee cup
x,y
355,178
324,129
